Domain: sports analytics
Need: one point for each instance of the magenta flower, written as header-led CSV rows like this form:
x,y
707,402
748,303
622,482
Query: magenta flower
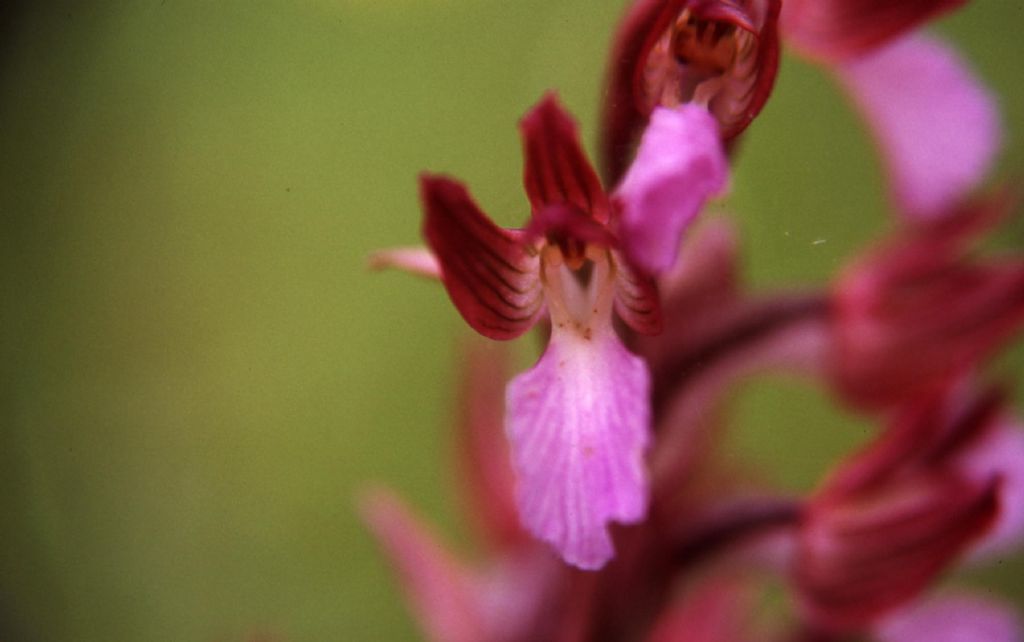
x,y
579,420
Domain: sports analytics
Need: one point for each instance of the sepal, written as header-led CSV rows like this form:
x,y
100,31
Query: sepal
x,y
489,272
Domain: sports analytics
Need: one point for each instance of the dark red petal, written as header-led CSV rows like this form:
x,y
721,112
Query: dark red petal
x,y
636,299
866,555
491,276
556,171
838,29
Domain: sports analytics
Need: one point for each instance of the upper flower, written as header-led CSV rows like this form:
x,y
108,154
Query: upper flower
x,y
722,54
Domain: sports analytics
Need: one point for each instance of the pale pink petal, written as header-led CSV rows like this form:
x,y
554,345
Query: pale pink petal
x,y
679,165
414,260
937,125
441,591
1001,452
579,425
951,618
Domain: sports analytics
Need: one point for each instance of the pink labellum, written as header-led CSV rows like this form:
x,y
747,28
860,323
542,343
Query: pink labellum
x,y
937,126
952,618
680,164
838,29
488,271
579,426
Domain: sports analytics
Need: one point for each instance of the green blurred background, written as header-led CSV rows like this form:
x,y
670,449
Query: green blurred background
x,y
198,373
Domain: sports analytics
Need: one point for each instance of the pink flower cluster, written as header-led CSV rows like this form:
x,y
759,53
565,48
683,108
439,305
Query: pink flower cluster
x,y
604,508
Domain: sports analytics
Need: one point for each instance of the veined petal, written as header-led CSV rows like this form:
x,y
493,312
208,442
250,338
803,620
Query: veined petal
x,y
636,298
489,272
578,423
952,618
837,29
556,171
867,554
679,165
936,124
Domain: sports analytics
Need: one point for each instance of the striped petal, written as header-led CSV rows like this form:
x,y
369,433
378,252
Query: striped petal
x,y
556,171
491,276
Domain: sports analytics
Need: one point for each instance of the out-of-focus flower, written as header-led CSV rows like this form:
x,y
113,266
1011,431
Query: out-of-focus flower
x,y
936,125
894,516
579,420
722,54
507,596
502,600
918,309
952,618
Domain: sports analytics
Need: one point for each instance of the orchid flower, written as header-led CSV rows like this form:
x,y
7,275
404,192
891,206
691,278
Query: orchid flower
x,y
921,308
579,420
722,54
894,516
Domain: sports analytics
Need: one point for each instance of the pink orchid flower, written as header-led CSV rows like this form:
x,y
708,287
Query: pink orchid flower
x,y
579,420
722,54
